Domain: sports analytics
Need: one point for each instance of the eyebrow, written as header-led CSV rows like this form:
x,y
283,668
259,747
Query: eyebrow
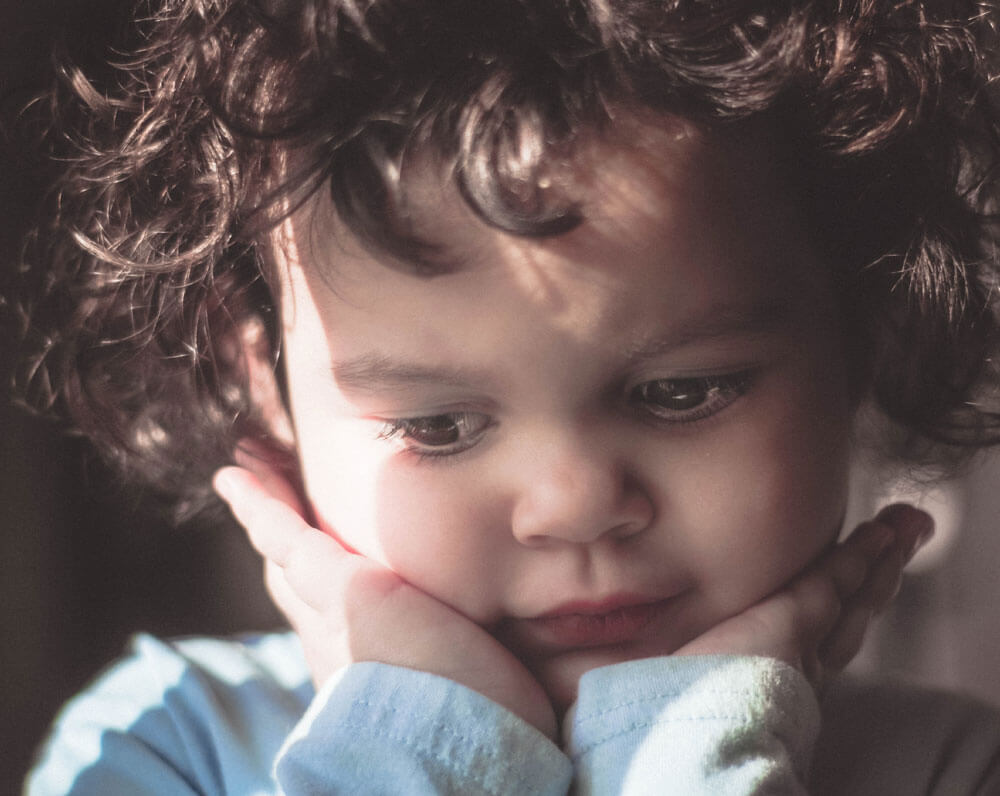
x,y
726,320
376,372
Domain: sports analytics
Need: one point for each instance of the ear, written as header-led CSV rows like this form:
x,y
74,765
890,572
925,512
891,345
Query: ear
x,y
261,366
274,443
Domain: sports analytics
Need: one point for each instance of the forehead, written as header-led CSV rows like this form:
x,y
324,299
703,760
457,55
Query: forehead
x,y
710,208
635,169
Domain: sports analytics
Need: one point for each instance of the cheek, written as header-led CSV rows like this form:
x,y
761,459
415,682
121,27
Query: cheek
x,y
434,532
765,502
442,536
339,473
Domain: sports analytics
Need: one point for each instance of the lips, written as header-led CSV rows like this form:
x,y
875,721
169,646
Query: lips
x,y
616,620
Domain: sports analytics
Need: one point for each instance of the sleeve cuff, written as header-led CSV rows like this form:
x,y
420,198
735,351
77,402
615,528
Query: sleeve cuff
x,y
693,724
374,726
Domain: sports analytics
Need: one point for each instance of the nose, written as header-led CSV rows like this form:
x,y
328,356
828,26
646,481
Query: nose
x,y
578,493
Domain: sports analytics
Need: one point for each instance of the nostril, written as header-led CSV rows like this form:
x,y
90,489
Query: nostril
x,y
546,517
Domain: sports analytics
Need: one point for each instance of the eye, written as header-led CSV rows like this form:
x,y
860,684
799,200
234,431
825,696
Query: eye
x,y
686,400
437,435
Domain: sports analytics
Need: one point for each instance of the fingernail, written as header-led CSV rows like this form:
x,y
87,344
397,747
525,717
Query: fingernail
x,y
895,513
917,525
225,483
883,536
904,517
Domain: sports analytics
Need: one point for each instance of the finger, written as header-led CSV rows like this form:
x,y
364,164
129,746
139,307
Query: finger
x,y
883,565
328,653
320,575
884,581
326,577
844,642
316,566
251,456
818,606
898,526
848,565
302,616
281,593
913,527
274,527
804,612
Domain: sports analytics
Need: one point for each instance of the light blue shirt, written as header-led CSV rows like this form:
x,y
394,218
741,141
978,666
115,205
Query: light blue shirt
x,y
210,716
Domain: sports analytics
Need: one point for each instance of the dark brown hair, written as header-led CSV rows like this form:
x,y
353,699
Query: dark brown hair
x,y
146,262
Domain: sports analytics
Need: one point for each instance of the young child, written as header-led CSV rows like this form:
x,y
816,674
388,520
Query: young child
x,y
541,334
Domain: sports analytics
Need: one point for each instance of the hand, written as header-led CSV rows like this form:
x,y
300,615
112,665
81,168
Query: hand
x,y
817,621
347,608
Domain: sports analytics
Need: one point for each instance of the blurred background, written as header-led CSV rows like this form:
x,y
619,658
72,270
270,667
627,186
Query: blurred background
x,y
944,627
86,563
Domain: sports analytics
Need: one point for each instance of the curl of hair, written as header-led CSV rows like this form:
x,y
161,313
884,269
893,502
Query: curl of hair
x,y
146,268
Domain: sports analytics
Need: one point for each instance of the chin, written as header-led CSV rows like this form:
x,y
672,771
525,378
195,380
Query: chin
x,y
560,675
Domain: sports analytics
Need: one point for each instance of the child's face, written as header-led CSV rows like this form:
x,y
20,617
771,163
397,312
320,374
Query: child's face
x,y
651,408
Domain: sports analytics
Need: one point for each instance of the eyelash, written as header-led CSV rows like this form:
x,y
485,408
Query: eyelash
x,y
472,424
713,394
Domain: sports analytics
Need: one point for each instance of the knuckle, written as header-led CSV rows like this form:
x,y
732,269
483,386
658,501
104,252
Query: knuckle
x,y
849,571
884,582
819,606
377,583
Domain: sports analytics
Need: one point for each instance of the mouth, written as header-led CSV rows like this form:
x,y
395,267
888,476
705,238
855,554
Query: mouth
x,y
616,620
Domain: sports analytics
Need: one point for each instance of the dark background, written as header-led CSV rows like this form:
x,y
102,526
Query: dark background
x,y
85,562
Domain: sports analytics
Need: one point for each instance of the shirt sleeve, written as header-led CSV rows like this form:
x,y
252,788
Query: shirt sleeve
x,y
152,724
204,716
693,725
373,726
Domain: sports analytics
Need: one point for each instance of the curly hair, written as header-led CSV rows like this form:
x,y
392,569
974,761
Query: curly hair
x,y
148,262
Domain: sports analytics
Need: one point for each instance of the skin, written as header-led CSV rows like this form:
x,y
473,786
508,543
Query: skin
x,y
654,405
